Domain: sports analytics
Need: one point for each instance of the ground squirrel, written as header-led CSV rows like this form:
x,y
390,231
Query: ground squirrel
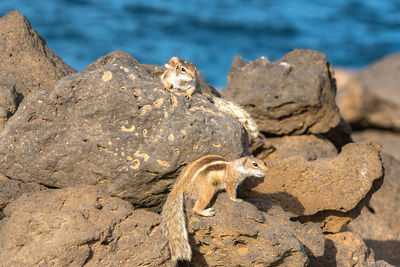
x,y
203,178
183,75
180,74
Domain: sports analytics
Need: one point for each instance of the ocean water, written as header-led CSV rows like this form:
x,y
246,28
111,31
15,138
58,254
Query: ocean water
x,y
210,33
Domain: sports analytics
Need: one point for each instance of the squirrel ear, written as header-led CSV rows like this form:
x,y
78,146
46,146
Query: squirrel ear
x,y
173,61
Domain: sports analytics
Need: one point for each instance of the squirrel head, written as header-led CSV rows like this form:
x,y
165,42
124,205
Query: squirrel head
x,y
182,68
252,166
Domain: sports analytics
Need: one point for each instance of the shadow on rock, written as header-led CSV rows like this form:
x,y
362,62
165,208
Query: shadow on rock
x,y
294,207
329,257
387,250
339,219
306,188
345,249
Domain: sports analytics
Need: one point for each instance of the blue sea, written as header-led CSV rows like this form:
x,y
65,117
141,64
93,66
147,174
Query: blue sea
x,y
210,33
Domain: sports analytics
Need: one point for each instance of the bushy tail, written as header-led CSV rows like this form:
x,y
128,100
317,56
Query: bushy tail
x,y
174,222
240,114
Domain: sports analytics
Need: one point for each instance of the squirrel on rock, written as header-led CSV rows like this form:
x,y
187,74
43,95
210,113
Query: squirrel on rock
x,y
203,178
183,75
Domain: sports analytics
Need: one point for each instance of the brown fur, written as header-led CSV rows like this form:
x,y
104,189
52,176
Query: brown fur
x,y
180,74
203,178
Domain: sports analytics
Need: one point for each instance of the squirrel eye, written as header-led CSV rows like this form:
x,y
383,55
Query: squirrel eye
x,y
255,164
183,69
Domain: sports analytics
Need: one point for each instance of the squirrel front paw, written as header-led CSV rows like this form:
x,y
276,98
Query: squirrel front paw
x,y
187,95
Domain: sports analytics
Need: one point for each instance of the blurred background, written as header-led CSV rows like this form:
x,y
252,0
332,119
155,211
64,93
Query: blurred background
x,y
210,33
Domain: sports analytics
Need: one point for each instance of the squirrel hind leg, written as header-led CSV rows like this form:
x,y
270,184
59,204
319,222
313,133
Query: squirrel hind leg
x,y
207,212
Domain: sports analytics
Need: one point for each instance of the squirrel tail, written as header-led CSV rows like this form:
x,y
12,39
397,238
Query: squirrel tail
x,y
240,114
175,228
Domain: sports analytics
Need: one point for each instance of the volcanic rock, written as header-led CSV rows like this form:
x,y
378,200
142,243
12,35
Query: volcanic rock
x,y
79,226
241,235
26,62
114,126
294,95
371,97
310,147
10,190
323,187
389,140
345,249
9,101
379,222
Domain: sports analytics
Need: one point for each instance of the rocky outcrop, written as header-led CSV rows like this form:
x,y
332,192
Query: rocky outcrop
x,y
26,62
293,95
114,126
307,188
370,98
80,144
84,226
379,222
241,235
296,95
79,227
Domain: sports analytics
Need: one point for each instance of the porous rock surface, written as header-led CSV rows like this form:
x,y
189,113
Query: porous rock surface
x,y
84,226
26,62
345,249
114,126
311,147
293,95
336,184
241,235
10,190
9,101
379,222
371,97
389,140
79,227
